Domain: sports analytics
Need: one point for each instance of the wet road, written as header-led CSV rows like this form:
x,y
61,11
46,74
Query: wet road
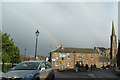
x,y
95,74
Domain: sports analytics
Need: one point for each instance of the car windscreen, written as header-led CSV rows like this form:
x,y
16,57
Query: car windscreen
x,y
27,66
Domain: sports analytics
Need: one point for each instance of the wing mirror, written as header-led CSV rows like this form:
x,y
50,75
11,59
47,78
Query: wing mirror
x,y
42,69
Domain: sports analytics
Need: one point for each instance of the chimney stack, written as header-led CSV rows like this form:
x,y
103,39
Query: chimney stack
x,y
95,48
62,46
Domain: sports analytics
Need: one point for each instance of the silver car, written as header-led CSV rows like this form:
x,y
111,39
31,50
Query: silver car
x,y
31,70
3,76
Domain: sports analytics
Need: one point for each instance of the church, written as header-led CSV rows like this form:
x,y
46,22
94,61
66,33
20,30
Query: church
x,y
67,57
113,48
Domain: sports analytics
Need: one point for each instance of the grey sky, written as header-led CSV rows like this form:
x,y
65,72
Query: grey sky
x,y
119,20
74,24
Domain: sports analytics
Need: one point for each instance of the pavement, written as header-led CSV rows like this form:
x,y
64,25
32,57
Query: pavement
x,y
96,74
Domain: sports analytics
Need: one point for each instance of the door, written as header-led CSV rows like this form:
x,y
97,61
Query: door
x,y
43,73
49,70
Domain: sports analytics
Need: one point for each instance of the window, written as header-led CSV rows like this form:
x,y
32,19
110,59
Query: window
x,y
80,56
68,56
68,64
48,65
42,65
57,55
80,62
56,63
91,56
27,66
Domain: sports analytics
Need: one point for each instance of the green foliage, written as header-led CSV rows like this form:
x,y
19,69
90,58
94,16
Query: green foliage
x,y
6,67
10,53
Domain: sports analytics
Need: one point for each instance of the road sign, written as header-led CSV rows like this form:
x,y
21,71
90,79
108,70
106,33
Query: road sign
x,y
62,62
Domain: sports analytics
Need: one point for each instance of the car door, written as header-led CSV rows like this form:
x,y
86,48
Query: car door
x,y
48,69
43,74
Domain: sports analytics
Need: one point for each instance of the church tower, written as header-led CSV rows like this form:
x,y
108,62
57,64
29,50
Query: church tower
x,y
113,48
118,55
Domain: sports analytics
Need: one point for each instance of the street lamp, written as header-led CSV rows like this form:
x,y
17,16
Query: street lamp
x,y
37,33
25,53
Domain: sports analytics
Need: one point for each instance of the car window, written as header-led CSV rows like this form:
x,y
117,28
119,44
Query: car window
x,y
48,65
42,65
27,66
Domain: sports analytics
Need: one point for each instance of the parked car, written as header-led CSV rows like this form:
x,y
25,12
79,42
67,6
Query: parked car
x,y
31,70
117,71
3,76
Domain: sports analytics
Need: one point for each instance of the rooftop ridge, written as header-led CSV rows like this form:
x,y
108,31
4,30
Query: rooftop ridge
x,y
78,48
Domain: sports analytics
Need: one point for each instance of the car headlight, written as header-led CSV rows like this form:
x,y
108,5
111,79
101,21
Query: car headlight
x,y
29,76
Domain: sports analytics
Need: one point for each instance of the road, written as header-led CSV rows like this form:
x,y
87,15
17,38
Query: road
x,y
95,74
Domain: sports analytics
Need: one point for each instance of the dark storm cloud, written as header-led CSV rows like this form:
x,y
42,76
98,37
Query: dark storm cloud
x,y
73,24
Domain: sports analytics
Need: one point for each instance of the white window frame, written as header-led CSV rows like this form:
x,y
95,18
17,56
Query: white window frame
x,y
56,55
68,55
91,57
56,64
80,56
68,63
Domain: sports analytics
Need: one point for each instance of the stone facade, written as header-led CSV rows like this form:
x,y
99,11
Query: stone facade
x,y
107,53
113,48
67,59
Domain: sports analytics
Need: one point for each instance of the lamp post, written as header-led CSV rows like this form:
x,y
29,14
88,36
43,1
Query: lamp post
x,y
25,54
37,33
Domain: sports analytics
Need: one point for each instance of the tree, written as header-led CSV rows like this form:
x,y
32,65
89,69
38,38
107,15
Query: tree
x,y
10,53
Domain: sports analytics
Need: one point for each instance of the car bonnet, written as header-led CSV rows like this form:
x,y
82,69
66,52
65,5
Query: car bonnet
x,y
20,73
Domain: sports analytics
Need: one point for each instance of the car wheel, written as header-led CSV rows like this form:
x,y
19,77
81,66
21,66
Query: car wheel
x,y
37,78
4,78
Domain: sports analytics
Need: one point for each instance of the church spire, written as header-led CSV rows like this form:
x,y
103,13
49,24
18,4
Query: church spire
x,y
113,51
113,30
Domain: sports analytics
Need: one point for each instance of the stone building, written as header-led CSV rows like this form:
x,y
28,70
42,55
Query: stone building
x,y
107,52
67,57
104,55
113,47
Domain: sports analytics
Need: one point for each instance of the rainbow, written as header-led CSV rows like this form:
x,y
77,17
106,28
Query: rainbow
x,y
29,19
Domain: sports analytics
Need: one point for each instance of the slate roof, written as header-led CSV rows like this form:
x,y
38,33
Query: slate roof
x,y
103,59
76,50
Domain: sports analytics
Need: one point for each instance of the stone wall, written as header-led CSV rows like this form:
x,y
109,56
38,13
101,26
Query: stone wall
x,y
62,60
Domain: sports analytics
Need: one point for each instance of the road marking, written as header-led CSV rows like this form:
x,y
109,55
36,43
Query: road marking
x,y
92,75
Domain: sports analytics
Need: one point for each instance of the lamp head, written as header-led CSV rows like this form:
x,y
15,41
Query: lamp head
x,y
37,33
